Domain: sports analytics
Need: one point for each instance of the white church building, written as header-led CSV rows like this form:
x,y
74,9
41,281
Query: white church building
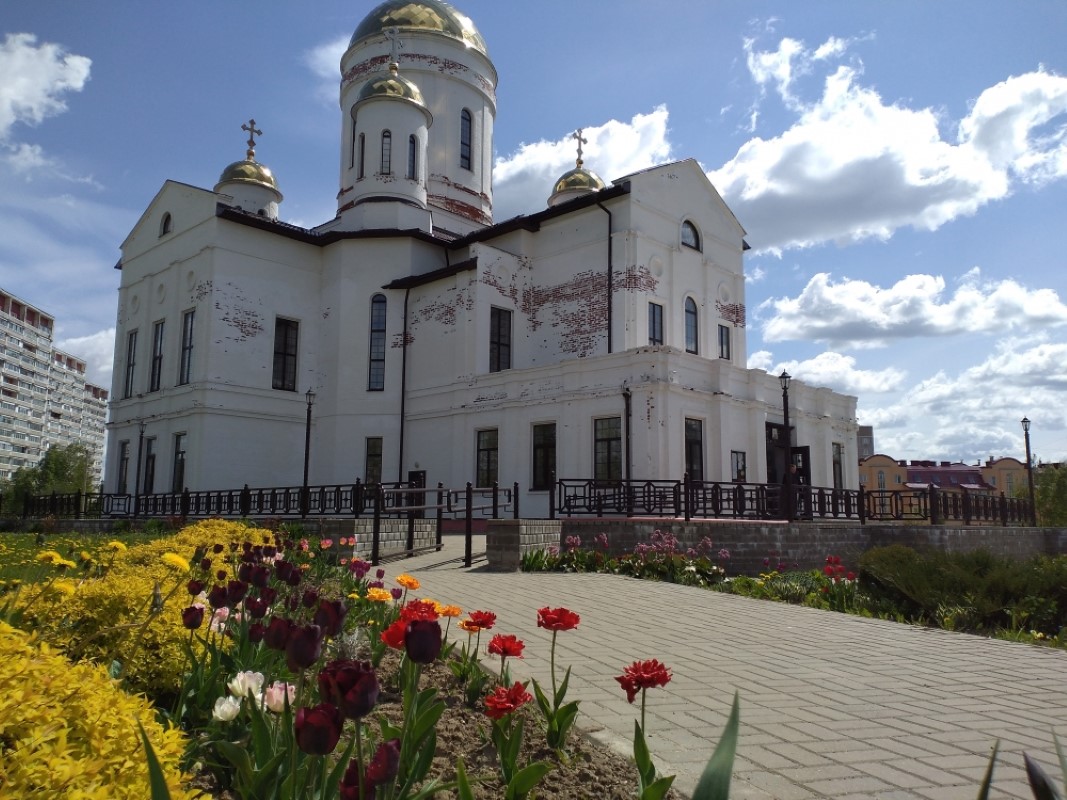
x,y
602,337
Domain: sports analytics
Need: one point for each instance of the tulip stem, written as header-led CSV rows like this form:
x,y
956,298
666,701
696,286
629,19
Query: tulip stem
x,y
359,756
553,665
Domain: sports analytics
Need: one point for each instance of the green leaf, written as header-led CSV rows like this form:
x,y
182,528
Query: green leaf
x,y
542,700
1063,759
156,780
333,780
658,788
561,692
643,758
264,783
237,756
1040,783
526,779
463,786
714,783
983,792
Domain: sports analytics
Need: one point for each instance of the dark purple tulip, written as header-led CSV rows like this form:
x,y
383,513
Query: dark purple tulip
x,y
292,602
244,572
422,640
380,574
256,607
205,564
288,544
269,551
246,547
259,576
195,587
256,632
218,597
304,647
283,569
359,568
277,635
268,594
375,585
236,591
352,686
318,729
330,616
396,592
310,598
193,617
385,763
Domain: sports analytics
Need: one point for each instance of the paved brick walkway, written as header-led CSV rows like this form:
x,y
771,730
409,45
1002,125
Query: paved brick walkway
x,y
832,706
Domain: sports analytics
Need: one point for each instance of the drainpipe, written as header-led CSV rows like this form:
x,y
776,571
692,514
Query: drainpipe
x,y
611,286
403,387
627,401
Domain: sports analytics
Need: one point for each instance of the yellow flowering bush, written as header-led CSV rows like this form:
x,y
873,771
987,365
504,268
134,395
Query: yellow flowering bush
x,y
67,730
111,618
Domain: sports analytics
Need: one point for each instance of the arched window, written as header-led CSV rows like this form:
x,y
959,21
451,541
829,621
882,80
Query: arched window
x,y
466,126
165,225
352,146
387,153
376,373
361,147
691,329
413,157
690,236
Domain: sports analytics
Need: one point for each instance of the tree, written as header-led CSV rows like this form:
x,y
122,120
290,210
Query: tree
x,y
62,470
1050,495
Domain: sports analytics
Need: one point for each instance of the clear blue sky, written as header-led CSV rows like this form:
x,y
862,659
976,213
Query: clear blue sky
x,y
901,168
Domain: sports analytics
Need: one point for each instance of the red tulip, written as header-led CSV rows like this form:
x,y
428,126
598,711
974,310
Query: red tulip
x,y
504,701
557,619
318,729
642,675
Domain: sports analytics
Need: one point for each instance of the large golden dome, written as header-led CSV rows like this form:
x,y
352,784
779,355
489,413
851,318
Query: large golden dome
x,y
422,15
248,171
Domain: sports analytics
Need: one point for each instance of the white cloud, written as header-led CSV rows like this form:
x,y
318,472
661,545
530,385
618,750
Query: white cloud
x,y
97,350
522,181
26,158
325,61
851,312
975,413
833,370
853,167
35,80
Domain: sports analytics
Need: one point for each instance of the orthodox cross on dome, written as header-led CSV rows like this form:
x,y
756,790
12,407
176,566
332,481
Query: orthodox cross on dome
x,y
393,35
577,135
253,131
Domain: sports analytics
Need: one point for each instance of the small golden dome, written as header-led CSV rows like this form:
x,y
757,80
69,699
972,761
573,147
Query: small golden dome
x,y
422,15
392,86
248,171
578,179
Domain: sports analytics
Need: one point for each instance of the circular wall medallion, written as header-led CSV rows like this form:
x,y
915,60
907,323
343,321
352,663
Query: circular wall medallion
x,y
161,293
655,266
135,303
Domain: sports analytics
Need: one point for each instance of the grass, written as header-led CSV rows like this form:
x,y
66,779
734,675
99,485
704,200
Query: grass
x,y
19,551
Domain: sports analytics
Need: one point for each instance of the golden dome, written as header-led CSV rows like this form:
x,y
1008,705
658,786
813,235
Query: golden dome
x,y
392,86
578,179
248,171
421,15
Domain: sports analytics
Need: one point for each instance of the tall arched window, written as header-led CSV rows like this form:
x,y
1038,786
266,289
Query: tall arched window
x,y
690,235
376,373
387,153
691,329
165,225
413,157
361,147
466,126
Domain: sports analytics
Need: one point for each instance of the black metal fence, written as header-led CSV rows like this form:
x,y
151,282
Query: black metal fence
x,y
761,501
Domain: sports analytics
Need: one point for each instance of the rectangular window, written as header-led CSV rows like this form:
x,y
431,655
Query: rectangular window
x,y
724,342
544,456
499,339
655,323
372,468
376,369
387,153
185,364
177,483
157,357
694,449
285,346
131,363
487,457
838,450
607,449
124,467
737,466
149,484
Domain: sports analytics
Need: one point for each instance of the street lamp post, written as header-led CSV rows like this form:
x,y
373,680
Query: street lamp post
x,y
787,483
1029,472
304,497
137,477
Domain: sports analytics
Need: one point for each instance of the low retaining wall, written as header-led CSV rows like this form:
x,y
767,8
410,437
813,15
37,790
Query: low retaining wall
x,y
755,547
